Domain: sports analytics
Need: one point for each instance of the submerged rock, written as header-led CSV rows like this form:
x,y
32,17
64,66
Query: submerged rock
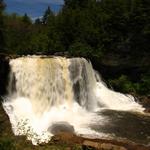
x,y
61,127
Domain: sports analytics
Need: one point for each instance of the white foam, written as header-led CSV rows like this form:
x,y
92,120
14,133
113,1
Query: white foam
x,y
25,122
51,90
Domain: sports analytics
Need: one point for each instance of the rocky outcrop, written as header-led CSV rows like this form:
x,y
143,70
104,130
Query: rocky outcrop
x,y
96,144
103,146
61,127
145,101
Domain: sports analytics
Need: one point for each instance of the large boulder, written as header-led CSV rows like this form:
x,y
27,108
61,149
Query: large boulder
x,y
58,127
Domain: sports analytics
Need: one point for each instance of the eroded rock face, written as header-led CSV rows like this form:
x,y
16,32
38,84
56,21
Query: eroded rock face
x,y
61,127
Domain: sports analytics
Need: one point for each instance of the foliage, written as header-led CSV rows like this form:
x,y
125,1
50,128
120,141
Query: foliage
x,y
123,84
108,26
48,14
26,19
2,40
7,144
80,49
143,87
89,28
17,143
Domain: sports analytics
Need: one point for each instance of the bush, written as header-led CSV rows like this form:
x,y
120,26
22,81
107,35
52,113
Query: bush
x,y
122,84
143,88
7,144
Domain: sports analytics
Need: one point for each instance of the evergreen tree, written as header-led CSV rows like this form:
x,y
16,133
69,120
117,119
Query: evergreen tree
x,y
48,13
76,3
37,21
26,19
2,41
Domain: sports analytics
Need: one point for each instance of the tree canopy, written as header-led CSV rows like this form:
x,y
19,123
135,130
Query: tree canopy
x,y
2,40
113,32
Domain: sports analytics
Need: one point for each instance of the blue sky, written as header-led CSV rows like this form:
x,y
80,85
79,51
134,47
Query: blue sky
x,y
34,8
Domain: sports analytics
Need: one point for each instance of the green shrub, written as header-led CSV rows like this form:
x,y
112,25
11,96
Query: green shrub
x,y
7,144
143,87
122,84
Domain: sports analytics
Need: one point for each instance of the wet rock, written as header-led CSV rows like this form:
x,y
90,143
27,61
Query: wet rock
x,y
97,144
103,146
145,101
109,146
147,110
61,127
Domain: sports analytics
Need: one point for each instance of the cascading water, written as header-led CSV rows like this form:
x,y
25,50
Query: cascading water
x,y
45,91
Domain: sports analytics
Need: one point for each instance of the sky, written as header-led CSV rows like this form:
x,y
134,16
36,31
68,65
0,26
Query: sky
x,y
34,8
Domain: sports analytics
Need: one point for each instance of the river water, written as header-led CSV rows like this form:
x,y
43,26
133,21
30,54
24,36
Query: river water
x,y
45,91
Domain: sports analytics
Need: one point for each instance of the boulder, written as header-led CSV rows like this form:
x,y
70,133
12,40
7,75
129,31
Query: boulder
x,y
58,127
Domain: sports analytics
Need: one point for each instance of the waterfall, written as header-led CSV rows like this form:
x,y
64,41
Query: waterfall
x,y
45,91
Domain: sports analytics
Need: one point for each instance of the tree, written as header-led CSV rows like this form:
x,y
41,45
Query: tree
x,y
80,49
26,19
18,28
2,41
48,13
76,3
37,21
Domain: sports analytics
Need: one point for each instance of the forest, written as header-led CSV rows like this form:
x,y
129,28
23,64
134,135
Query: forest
x,y
113,34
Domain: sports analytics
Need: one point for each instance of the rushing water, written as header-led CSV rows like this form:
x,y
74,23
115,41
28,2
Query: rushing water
x,y
43,92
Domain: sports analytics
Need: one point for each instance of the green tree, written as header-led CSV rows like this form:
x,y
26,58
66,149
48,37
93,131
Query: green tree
x,y
39,39
2,28
76,3
48,13
18,34
37,21
80,49
26,19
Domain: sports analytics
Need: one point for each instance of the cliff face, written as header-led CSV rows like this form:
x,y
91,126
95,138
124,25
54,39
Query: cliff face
x,y
4,73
